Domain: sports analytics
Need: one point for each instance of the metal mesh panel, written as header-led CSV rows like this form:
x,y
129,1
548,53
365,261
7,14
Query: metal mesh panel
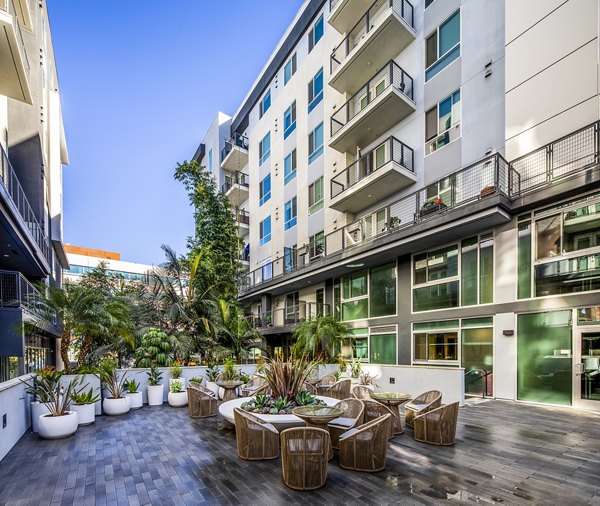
x,y
574,152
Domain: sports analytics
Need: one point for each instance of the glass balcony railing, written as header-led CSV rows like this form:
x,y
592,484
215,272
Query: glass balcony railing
x,y
235,178
240,141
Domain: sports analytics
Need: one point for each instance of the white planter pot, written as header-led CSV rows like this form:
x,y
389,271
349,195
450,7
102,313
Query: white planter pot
x,y
182,380
118,406
135,400
156,395
213,387
37,409
85,412
178,399
56,427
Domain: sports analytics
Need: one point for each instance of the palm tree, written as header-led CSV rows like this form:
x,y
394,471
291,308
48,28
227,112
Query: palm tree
x,y
321,333
233,330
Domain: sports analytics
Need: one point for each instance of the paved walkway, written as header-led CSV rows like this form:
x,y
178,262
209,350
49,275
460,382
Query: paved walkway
x,y
505,453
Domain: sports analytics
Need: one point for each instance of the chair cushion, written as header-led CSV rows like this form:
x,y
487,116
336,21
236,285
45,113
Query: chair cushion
x,y
416,406
343,422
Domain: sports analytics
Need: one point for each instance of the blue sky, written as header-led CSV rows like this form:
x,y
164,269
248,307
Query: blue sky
x,y
141,81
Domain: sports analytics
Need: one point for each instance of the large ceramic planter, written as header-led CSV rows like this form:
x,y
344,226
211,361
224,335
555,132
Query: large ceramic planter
x,y
57,427
37,409
116,406
85,412
135,399
156,395
177,399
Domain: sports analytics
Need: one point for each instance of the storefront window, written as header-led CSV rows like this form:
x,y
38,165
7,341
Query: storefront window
x,y
355,309
382,288
579,274
383,348
477,356
444,295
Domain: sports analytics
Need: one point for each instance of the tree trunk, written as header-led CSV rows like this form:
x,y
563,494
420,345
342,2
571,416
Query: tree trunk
x,y
65,342
86,347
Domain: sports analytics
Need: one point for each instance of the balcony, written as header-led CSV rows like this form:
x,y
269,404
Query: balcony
x,y
242,221
383,171
14,64
234,155
382,32
289,316
379,105
236,188
343,14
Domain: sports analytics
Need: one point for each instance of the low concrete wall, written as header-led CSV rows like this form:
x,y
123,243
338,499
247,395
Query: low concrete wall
x,y
14,404
89,381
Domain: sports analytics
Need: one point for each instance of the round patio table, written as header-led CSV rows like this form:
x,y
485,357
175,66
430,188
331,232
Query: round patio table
x,y
319,416
392,400
230,389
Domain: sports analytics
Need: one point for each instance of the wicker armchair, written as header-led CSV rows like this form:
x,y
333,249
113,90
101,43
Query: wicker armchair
x,y
361,392
256,386
339,390
365,448
255,439
353,416
311,389
201,401
422,404
438,426
304,454
324,383
374,410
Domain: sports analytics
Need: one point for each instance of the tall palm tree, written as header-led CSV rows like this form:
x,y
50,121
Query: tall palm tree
x,y
233,330
321,333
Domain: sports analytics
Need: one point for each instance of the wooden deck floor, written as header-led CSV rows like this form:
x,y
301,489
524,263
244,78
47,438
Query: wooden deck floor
x,y
505,453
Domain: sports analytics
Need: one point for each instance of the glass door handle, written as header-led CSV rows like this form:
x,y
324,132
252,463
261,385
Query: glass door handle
x,y
580,369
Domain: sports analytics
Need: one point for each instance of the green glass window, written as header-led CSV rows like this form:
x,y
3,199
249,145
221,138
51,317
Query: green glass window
x,y
382,290
524,260
337,300
572,275
355,285
544,362
581,228
446,324
383,349
442,263
486,271
440,296
468,282
357,345
477,354
431,346
548,237
355,309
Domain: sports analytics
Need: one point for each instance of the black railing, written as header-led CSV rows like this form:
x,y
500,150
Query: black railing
x,y
389,150
11,183
370,20
242,217
235,178
390,75
289,315
241,141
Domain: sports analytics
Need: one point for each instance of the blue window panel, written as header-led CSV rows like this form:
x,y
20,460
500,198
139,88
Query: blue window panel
x,y
265,231
266,103
449,34
290,216
316,92
266,149
315,144
289,122
289,172
442,63
265,190
318,82
319,29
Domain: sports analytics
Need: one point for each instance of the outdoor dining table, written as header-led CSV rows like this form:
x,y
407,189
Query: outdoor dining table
x,y
392,400
319,416
230,389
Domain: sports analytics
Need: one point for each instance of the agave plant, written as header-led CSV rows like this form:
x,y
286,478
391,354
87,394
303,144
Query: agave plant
x,y
132,386
280,404
84,397
286,378
304,398
111,381
55,396
48,377
260,401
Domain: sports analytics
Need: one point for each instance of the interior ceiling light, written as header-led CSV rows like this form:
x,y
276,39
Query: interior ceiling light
x,y
355,266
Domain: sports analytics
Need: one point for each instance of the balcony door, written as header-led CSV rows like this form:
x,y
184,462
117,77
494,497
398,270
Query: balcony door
x,y
586,368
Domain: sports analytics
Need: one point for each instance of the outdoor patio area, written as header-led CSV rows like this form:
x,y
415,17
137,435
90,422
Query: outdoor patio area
x,y
504,453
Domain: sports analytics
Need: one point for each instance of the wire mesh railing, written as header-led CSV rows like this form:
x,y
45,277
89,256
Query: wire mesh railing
x,y
16,291
379,10
390,75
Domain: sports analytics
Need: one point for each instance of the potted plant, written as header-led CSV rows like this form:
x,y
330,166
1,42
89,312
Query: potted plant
x,y
212,373
343,367
355,368
367,380
197,379
59,422
117,403
177,394
83,403
156,391
38,405
176,374
133,393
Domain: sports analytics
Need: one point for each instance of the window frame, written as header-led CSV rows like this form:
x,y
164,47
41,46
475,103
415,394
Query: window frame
x,y
264,155
314,151
292,63
439,58
315,97
291,206
290,175
265,238
266,99
316,205
432,141
313,37
312,243
291,111
263,196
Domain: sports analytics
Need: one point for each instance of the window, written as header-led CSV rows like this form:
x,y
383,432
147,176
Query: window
x,y
265,190
315,196
265,103
266,270
355,296
289,120
315,34
315,90
315,143
210,160
442,123
382,289
443,46
289,70
289,167
356,345
524,258
264,149
290,214
292,303
289,259
477,271
382,348
316,245
265,231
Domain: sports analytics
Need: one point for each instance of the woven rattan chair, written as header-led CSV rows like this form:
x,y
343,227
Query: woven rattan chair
x,y
304,453
438,426
256,386
201,401
422,404
353,416
311,389
324,383
364,448
255,438
374,410
339,390
362,392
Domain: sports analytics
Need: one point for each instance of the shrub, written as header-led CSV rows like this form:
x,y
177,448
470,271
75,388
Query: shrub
x,y
155,349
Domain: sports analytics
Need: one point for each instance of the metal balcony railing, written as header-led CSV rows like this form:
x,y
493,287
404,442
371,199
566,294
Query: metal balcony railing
x,y
378,10
12,185
390,75
242,217
16,291
235,178
241,141
290,315
389,150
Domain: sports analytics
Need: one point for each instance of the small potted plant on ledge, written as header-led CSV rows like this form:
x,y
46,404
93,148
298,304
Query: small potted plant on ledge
x,y
177,394
38,405
117,403
82,402
432,205
176,374
133,393
156,390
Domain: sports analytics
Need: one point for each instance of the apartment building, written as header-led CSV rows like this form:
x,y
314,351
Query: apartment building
x,y
428,172
33,151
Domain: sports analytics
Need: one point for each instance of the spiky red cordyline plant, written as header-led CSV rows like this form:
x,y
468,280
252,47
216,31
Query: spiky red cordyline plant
x,y
287,377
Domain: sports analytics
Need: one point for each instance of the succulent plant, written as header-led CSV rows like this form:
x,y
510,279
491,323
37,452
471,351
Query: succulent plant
x,y
304,398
